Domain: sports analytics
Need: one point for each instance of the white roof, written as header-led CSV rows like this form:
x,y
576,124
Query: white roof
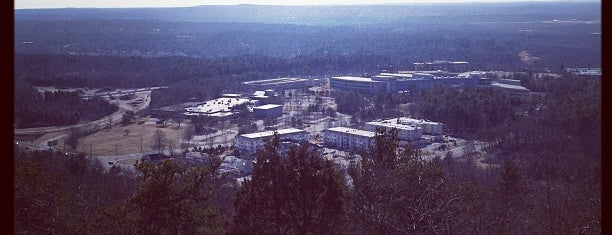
x,y
352,131
509,86
403,123
403,75
267,106
349,78
275,81
271,133
393,124
231,95
223,104
406,120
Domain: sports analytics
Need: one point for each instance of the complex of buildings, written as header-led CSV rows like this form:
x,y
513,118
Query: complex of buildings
x,y
408,129
268,110
592,72
411,80
250,143
279,84
345,138
405,81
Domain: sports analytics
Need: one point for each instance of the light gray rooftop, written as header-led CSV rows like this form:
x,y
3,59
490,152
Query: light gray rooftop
x,y
352,131
271,133
350,78
267,106
509,86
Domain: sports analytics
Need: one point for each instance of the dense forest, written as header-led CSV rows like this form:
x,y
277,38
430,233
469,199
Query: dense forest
x,y
494,45
35,109
334,14
489,35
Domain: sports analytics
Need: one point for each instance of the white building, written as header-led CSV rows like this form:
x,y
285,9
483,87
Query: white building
x,y
250,143
408,128
348,138
268,110
510,89
405,131
219,107
279,83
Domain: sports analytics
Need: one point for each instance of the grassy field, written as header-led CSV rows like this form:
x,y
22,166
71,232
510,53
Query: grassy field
x,y
127,139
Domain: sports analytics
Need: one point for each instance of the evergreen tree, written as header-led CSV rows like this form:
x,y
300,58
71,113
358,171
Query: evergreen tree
x,y
292,193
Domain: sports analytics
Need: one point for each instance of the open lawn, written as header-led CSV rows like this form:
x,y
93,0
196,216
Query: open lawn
x,y
127,139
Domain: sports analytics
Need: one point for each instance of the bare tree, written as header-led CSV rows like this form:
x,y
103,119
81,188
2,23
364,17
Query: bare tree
x,y
73,137
469,148
178,115
110,122
159,141
188,134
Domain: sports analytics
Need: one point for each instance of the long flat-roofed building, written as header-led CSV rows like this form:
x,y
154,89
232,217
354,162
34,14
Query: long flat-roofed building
x,y
405,131
279,84
510,89
268,110
250,143
400,82
220,107
358,84
451,66
408,128
345,138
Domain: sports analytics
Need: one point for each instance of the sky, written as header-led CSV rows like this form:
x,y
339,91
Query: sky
x,y
29,4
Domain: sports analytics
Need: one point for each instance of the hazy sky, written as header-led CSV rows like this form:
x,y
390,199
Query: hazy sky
x,y
21,4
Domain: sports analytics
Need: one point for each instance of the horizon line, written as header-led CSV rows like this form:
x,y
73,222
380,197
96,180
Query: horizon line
x,y
435,2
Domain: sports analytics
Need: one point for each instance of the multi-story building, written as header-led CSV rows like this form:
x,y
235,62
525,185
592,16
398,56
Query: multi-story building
x,y
279,84
399,82
248,144
358,84
406,132
451,66
345,138
408,129
268,110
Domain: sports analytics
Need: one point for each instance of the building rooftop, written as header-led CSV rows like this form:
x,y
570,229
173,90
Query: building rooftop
x,y
267,106
472,73
352,131
271,133
401,75
402,123
392,123
230,95
412,120
223,104
275,81
350,78
509,86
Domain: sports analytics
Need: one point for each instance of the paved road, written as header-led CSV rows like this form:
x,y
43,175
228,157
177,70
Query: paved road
x,y
116,118
44,130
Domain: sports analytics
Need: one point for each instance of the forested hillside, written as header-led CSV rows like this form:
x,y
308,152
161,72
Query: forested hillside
x,y
35,109
490,35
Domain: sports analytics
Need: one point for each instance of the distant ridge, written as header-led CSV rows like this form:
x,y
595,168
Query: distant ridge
x,y
319,14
